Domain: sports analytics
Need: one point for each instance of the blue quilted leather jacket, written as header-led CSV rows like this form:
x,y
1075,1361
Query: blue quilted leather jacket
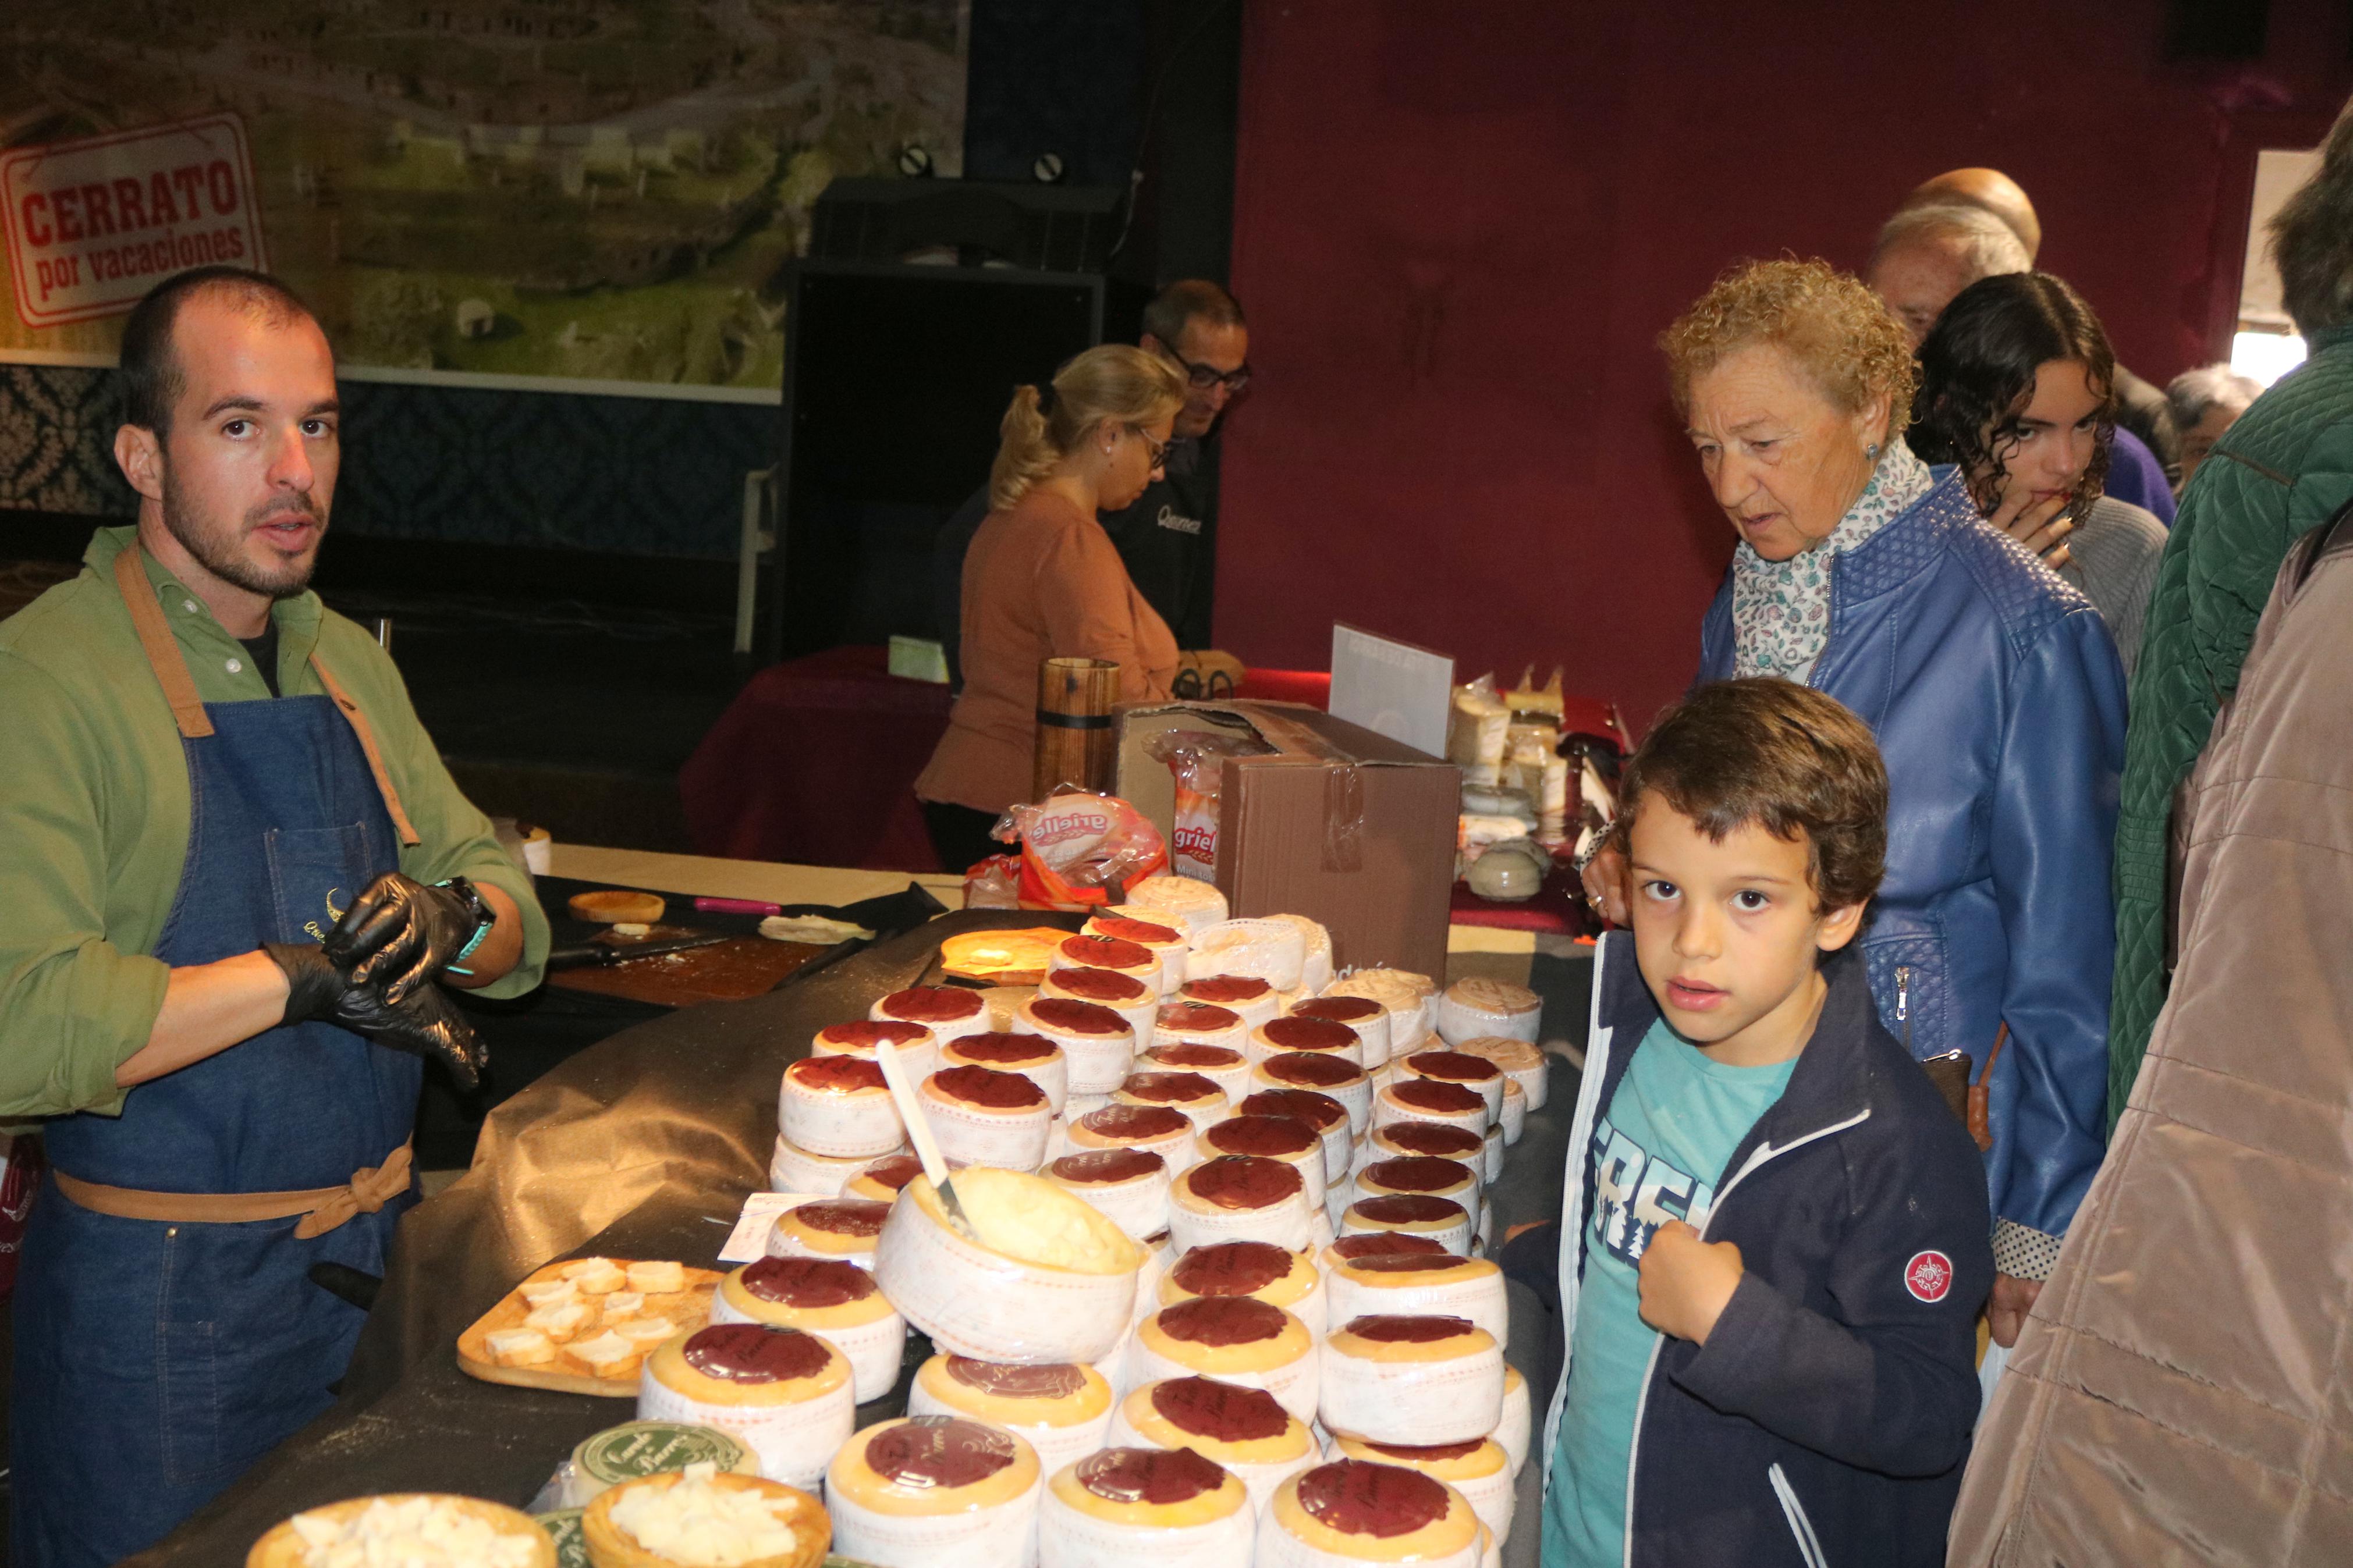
x,y
2000,706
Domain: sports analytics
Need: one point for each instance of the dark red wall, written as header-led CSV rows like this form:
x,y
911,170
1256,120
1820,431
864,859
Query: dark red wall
x,y
1460,225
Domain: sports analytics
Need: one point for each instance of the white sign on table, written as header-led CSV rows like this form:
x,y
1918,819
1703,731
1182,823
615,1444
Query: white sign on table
x,y
1391,688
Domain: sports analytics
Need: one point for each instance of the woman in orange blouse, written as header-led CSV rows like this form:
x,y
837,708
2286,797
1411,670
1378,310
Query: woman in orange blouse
x,y
1042,581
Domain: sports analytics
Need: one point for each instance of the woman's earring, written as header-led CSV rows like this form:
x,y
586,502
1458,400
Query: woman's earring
x,y
1870,452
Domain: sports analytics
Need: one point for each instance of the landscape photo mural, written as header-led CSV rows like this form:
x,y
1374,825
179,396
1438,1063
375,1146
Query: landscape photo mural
x,y
598,192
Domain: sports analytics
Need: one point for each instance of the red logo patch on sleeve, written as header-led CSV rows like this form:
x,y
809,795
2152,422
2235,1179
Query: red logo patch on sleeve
x,y
1929,1276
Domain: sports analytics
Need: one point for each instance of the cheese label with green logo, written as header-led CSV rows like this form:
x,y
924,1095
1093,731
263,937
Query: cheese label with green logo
x,y
652,1447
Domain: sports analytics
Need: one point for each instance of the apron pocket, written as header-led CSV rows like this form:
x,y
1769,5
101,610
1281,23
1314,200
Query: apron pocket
x,y
314,875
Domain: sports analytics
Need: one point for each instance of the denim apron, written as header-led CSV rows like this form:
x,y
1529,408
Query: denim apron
x,y
155,1361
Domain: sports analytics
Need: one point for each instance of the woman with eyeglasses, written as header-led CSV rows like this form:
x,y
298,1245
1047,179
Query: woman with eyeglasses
x,y
2018,390
1042,581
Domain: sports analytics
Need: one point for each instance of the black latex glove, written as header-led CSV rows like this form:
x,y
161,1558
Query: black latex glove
x,y
399,934
425,1021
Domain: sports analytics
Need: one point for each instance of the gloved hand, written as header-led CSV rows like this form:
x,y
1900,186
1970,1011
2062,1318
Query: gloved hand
x,y
399,934
425,1021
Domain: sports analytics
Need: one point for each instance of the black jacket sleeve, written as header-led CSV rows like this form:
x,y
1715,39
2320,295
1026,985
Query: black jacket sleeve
x,y
1886,1379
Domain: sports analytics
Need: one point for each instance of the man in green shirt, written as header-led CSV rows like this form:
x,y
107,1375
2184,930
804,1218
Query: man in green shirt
x,y
236,867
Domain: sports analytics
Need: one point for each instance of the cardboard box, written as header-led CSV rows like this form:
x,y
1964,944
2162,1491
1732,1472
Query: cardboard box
x,y
1338,824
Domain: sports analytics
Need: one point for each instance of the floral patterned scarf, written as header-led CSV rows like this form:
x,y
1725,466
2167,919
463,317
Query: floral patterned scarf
x,y
1781,609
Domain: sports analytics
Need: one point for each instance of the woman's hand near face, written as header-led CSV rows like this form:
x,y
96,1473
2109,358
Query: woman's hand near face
x,y
2042,526
1605,886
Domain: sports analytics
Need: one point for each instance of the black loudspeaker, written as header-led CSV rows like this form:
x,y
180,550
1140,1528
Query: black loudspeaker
x,y
896,377
2216,29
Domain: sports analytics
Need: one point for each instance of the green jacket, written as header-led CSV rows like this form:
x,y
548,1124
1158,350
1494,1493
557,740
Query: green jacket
x,y
2282,470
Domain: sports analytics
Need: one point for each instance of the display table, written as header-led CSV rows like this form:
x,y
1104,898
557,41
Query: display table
x,y
815,761
645,1145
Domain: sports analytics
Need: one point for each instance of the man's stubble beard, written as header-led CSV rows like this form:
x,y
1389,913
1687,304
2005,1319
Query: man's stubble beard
x,y
215,545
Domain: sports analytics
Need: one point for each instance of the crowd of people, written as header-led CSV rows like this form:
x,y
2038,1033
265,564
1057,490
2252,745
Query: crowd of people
x,y
1937,798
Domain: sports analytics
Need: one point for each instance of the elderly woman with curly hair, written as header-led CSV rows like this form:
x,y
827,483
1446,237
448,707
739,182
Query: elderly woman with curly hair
x,y
1993,690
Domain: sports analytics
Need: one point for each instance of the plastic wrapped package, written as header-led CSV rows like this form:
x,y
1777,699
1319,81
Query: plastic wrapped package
x,y
1195,759
1078,849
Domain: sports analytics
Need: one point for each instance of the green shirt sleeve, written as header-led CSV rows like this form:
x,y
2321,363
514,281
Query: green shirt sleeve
x,y
73,1006
456,839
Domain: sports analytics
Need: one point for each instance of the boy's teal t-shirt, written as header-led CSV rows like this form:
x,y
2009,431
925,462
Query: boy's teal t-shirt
x,y
1658,1154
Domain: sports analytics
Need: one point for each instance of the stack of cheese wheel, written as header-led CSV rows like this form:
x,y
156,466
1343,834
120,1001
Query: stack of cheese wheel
x,y
917,1047
949,1012
1315,960
1136,1002
1128,1187
1097,1043
1306,1036
1471,1008
1416,1379
1290,1280
1248,997
1284,1137
1347,1512
1198,1099
1034,1057
1478,1467
836,1301
784,1393
1367,1017
1120,956
1422,1175
1246,1430
1177,900
1234,1339
1476,1074
1168,943
1406,1284
1169,1507
1442,1220
1240,1197
1198,1023
1221,1064
838,1106
1322,1074
1060,1409
935,1491
831,1228
1165,1131
1406,995
983,1117
1320,1112
1272,951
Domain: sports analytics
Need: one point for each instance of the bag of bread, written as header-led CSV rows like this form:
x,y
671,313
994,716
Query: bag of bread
x,y
1196,761
1077,848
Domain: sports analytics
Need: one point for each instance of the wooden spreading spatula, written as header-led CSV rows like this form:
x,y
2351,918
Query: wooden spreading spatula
x,y
918,1128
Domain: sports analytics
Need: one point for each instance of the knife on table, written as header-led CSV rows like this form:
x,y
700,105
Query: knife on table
x,y
605,955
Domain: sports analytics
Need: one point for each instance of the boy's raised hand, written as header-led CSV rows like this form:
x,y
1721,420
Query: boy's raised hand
x,y
1686,1283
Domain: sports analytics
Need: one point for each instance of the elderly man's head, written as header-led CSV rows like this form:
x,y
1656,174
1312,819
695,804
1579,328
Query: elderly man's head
x,y
2312,239
1990,190
2206,401
1926,255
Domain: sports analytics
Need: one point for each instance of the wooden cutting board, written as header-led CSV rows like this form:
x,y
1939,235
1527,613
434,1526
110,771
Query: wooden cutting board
x,y
686,1309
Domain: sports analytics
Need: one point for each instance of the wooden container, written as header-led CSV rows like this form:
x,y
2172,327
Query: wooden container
x,y
1078,746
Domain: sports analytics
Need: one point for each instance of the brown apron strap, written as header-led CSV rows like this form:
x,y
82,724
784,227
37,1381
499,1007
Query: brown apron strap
x,y
162,648
322,1208
409,834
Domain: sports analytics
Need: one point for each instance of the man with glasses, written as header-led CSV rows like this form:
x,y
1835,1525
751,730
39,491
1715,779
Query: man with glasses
x,y
1167,538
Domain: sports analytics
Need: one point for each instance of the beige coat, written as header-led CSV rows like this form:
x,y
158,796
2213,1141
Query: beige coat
x,y
2184,1390
1040,581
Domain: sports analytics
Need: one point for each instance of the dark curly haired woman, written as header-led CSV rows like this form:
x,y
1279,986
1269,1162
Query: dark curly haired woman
x,y
2018,389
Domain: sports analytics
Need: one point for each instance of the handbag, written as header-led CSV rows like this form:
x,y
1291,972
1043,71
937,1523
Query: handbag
x,y
1970,1103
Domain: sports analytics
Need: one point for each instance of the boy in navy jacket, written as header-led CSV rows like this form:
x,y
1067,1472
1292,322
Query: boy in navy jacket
x,y
1778,1235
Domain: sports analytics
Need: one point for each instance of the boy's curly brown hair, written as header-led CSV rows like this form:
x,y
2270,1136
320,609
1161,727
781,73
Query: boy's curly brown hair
x,y
1767,750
